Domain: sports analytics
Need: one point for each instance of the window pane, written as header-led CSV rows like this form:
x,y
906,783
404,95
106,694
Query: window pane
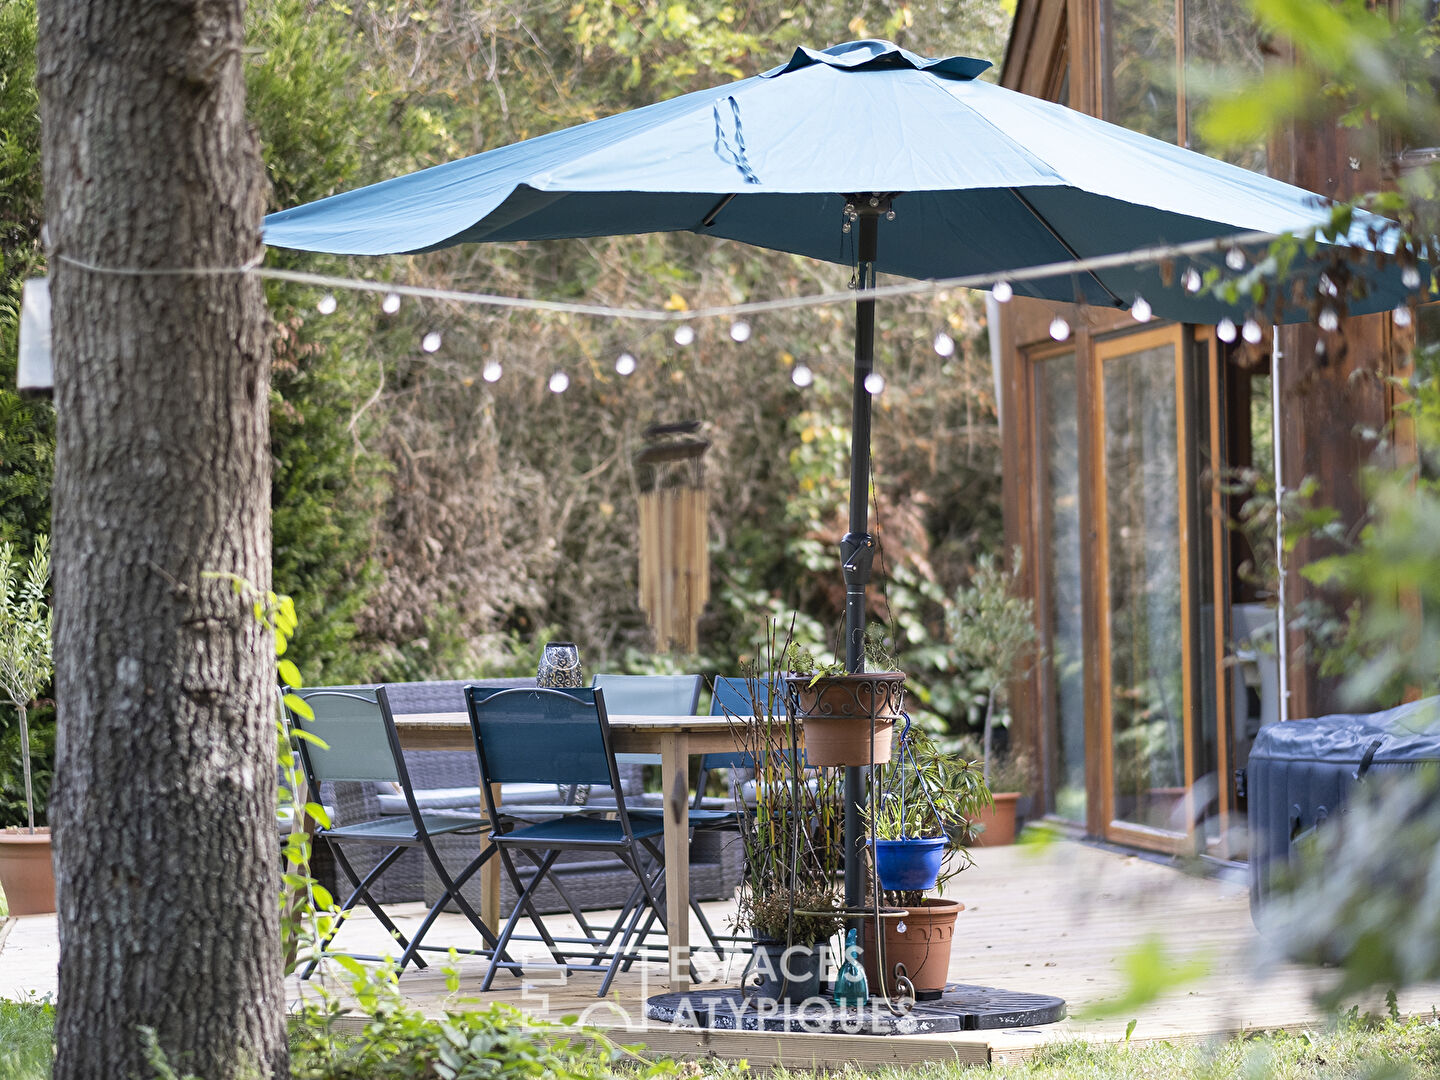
x,y
1144,546
1057,424
1140,67
1222,47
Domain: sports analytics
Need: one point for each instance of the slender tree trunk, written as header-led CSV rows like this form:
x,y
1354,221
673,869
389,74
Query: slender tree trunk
x,y
163,807
987,738
25,767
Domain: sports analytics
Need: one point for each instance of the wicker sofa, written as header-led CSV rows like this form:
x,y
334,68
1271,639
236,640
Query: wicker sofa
x,y
450,780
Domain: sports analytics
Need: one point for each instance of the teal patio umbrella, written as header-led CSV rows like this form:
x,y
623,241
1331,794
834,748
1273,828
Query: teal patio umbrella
x,y
863,154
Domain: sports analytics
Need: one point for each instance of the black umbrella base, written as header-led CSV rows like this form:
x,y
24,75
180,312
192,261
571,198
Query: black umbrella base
x,y
959,1008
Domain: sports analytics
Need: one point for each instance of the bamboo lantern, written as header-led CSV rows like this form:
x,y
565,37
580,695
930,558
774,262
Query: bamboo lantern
x,y
674,533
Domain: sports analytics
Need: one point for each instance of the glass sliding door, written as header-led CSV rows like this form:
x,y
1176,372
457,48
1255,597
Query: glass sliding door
x,y
1145,582
1058,530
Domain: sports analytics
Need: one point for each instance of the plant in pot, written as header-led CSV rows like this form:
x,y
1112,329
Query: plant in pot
x,y
849,717
919,814
992,634
26,875
789,896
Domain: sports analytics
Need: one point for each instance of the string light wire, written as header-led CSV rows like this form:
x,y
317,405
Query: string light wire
x,y
910,288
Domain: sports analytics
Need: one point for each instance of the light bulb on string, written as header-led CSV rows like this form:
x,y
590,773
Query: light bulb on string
x,y
1059,329
559,382
1002,291
1140,309
1191,281
431,341
326,306
944,344
740,331
1410,278
492,371
874,383
1251,332
391,304
1226,330
684,334
1235,259
802,376
625,364
1328,320
1402,315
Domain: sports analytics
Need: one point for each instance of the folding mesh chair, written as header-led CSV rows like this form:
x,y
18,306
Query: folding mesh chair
x,y
359,743
560,737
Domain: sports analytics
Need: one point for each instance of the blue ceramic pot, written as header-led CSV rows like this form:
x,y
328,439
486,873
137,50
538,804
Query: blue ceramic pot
x,y
909,865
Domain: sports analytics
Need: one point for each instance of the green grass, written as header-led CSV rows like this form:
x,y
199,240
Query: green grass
x,y
26,1031
1352,1050
1349,1051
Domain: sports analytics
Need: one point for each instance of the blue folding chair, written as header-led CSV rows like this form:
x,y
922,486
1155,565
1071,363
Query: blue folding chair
x,y
560,737
358,742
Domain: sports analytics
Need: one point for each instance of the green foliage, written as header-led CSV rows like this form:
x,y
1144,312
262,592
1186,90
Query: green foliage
x,y
26,655
27,427
27,1039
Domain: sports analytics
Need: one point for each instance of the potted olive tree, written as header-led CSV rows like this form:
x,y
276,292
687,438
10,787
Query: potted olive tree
x,y
849,717
992,633
25,667
924,801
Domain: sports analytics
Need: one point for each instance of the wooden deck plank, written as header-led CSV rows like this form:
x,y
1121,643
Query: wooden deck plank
x,y
1056,922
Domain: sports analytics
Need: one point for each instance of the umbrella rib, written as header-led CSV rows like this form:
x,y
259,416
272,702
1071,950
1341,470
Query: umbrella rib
x,y
1063,243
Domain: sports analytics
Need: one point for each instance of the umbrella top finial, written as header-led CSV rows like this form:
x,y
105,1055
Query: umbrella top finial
x,y
874,54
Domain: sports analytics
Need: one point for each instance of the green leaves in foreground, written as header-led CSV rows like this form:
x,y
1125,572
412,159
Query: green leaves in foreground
x,y
1150,973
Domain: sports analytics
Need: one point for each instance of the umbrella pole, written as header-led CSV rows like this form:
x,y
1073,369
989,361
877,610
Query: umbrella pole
x,y
857,547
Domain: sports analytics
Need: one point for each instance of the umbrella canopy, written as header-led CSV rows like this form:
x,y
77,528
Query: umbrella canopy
x,y
984,180
811,158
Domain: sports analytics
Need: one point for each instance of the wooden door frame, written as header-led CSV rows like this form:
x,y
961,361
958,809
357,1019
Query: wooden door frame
x,y
1110,348
1038,514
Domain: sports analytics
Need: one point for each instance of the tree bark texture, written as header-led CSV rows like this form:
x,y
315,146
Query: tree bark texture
x,y
163,810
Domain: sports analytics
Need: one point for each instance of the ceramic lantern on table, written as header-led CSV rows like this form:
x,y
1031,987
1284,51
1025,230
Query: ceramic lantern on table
x,y
560,666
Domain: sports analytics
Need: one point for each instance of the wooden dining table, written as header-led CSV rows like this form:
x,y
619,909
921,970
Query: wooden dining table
x,y
675,739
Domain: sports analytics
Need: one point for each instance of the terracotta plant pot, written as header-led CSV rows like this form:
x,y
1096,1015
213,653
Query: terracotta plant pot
x,y
999,821
921,941
25,871
836,712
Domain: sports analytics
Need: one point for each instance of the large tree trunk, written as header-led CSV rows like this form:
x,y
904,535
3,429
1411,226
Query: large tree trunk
x,y
163,808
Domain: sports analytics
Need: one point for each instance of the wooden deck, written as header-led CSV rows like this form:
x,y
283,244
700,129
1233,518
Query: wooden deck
x,y
1056,922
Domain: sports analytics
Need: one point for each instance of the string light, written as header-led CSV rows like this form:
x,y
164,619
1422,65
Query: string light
x,y
327,305
431,341
391,304
1410,277
1192,281
1235,259
944,344
1402,315
1002,292
684,334
874,383
625,364
1328,320
1140,310
802,376
740,330
559,382
1226,330
1251,332
492,371
1059,329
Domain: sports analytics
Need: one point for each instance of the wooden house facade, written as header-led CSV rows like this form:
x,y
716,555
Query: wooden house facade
x,y
1131,449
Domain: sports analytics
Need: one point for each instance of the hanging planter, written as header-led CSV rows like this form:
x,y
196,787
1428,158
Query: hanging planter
x,y
849,719
910,864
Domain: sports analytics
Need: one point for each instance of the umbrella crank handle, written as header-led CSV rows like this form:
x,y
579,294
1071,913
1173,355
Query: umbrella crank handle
x,y
856,555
